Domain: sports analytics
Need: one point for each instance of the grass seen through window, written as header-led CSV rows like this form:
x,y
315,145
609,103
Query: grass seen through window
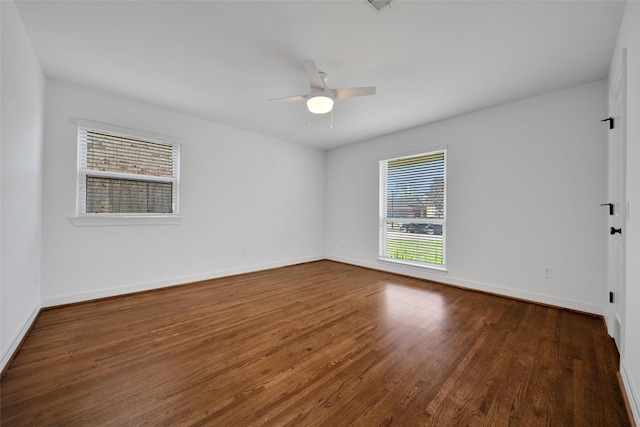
x,y
414,247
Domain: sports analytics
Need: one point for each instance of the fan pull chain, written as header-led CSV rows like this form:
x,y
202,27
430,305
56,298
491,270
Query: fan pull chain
x,y
330,126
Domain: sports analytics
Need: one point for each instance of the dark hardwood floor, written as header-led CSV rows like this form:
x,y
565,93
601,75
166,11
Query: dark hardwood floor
x,y
316,344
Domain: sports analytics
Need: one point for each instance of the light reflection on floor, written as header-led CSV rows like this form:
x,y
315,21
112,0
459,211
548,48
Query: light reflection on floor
x,y
413,307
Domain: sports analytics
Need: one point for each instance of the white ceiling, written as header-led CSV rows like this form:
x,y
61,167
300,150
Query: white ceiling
x,y
223,60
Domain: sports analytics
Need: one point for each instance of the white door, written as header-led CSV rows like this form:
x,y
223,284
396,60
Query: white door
x,y
617,196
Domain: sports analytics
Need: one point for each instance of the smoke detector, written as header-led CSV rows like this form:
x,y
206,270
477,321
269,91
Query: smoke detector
x,y
378,5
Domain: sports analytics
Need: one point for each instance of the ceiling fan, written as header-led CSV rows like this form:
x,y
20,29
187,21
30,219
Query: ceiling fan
x,y
320,98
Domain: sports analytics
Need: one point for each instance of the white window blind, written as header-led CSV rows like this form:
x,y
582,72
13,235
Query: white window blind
x,y
413,209
126,175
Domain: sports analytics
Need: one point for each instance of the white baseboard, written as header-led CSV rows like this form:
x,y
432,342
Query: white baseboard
x,y
632,392
146,286
444,277
417,272
12,347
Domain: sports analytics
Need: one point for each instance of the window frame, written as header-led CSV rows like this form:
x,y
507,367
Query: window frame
x,y
384,219
83,218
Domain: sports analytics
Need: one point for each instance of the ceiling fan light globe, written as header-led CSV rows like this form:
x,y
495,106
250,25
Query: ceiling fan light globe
x,y
320,104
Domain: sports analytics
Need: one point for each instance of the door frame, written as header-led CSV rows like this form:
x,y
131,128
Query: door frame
x,y
616,193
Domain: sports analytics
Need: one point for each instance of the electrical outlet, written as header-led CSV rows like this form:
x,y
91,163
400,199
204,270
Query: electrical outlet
x,y
547,271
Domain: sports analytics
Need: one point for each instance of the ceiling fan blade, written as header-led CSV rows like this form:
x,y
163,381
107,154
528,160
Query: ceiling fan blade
x,y
315,81
291,98
350,92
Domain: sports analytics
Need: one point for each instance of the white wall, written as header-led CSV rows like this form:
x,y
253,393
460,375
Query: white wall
x,y
238,189
629,38
525,181
22,84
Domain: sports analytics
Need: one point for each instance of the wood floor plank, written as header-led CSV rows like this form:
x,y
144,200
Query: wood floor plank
x,y
318,344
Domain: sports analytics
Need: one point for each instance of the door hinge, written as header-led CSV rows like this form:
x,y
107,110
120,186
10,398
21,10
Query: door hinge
x,y
610,120
611,297
610,207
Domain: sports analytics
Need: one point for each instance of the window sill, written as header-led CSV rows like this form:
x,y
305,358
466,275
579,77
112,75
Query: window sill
x,y
421,265
93,221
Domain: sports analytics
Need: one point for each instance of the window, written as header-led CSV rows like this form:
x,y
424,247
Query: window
x,y
413,209
122,174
